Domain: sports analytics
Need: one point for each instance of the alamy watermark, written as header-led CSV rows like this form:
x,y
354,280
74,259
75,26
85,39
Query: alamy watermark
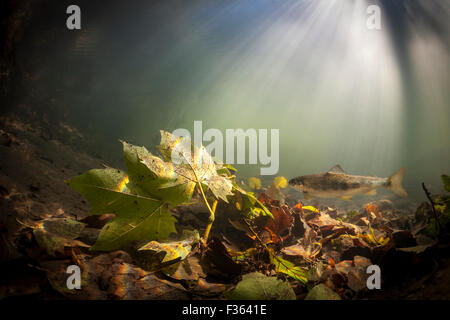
x,y
374,280
73,21
235,144
373,21
74,280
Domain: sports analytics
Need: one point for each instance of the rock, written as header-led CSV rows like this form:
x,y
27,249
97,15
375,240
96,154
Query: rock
x,y
357,280
344,267
361,262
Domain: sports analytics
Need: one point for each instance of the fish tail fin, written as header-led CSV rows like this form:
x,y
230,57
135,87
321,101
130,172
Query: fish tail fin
x,y
395,183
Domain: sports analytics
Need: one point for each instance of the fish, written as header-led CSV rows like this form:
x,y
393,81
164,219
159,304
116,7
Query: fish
x,y
336,183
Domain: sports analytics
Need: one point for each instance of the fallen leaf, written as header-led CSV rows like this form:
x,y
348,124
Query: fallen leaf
x,y
54,234
194,167
175,250
136,217
288,268
322,292
256,286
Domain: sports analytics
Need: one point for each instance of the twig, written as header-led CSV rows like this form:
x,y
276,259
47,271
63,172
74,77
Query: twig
x,y
436,220
255,234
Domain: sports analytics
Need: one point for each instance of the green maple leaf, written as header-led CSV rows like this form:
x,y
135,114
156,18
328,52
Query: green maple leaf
x,y
140,199
150,176
136,217
194,164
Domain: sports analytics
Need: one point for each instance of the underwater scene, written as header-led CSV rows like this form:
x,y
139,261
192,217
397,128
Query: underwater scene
x,y
225,150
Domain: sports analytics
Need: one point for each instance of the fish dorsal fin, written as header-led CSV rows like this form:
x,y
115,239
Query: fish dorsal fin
x,y
337,169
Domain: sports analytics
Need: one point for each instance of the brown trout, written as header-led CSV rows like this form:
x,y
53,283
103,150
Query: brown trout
x,y
336,183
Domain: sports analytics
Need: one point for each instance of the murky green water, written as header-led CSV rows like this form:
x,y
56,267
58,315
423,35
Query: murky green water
x,y
371,100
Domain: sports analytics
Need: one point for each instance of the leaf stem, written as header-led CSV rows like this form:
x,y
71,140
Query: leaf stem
x,y
211,213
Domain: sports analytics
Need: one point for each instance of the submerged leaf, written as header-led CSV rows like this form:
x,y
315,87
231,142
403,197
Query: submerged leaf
x,y
281,221
307,251
311,208
53,235
248,204
288,268
194,164
256,286
140,199
151,176
176,250
136,217
322,292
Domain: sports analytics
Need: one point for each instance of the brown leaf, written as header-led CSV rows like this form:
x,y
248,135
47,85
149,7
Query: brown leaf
x,y
307,249
111,276
280,225
281,221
